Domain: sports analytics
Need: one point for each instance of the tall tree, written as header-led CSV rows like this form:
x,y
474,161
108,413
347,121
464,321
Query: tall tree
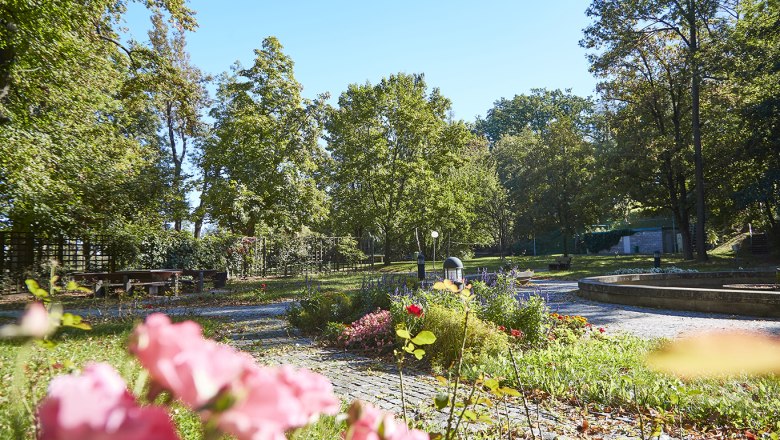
x,y
391,144
649,117
622,25
534,112
70,149
179,97
754,77
550,178
262,154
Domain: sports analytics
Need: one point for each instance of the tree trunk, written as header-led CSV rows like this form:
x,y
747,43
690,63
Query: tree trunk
x,y
388,246
565,243
701,245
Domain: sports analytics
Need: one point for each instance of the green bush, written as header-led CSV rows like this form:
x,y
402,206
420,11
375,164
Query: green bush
x,y
483,339
499,306
312,314
332,333
533,319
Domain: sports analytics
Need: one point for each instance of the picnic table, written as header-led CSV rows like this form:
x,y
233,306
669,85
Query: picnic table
x,y
128,279
199,275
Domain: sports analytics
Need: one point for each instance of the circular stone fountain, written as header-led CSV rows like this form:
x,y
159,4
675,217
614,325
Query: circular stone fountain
x,y
699,291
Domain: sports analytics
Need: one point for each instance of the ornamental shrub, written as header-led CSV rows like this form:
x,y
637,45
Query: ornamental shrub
x,y
374,332
313,313
483,339
533,319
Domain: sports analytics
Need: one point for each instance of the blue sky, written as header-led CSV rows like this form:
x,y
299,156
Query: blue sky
x,y
475,52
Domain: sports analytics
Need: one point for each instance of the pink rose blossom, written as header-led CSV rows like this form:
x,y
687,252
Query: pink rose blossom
x,y
365,422
181,361
272,400
97,406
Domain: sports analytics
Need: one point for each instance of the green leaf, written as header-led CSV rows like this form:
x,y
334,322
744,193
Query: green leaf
x,y
442,400
75,321
35,289
510,391
485,419
491,384
470,415
73,286
419,353
425,337
403,333
45,343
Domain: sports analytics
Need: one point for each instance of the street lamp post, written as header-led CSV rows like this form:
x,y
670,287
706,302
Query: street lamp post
x,y
435,235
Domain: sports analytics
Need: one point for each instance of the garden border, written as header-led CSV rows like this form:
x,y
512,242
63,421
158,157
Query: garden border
x,y
668,291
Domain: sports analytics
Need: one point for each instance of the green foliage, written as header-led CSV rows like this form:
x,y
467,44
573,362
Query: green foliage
x,y
397,164
498,305
599,241
533,320
314,312
332,332
483,340
348,251
72,144
551,178
597,370
262,157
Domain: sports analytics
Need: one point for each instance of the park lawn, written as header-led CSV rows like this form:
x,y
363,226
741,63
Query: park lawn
x,y
106,342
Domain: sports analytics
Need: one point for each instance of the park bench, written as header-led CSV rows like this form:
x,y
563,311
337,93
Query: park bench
x,y
560,263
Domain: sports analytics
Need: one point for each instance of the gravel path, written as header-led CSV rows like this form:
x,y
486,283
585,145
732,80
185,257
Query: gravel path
x,y
641,321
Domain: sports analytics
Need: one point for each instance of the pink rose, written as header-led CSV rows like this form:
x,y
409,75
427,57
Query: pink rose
x,y
181,361
366,422
35,323
97,406
269,401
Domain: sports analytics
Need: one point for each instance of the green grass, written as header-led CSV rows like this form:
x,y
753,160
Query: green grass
x,y
611,372
26,384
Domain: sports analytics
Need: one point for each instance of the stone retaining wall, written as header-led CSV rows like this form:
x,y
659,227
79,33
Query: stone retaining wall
x,y
700,292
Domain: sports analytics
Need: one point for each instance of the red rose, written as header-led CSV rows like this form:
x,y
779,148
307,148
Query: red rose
x,y
601,329
502,328
516,333
414,309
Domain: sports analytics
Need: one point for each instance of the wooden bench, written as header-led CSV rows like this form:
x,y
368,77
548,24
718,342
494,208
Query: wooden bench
x,y
560,263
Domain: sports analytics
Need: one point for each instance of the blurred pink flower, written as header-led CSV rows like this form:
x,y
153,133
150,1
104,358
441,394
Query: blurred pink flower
x,y
35,323
97,406
181,361
366,422
269,401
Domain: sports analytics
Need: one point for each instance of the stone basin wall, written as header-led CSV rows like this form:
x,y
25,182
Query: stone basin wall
x,y
700,292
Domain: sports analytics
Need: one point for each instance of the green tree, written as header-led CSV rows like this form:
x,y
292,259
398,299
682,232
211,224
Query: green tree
x,y
397,163
622,25
533,112
754,77
649,117
551,179
178,96
261,157
72,151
